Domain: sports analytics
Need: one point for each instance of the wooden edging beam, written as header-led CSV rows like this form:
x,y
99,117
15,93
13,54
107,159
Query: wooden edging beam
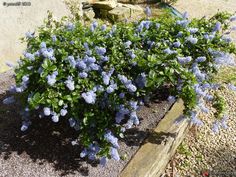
x,y
153,156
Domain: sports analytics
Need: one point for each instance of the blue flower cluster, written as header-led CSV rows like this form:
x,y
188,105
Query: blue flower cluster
x,y
97,77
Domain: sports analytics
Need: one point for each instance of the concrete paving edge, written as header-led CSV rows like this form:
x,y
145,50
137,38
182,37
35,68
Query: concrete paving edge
x,y
153,156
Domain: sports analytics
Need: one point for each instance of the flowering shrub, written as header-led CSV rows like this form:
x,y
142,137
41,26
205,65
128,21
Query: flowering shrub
x,y
98,76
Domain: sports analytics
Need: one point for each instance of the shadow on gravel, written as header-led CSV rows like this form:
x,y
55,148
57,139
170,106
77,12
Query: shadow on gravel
x,y
45,141
223,164
48,142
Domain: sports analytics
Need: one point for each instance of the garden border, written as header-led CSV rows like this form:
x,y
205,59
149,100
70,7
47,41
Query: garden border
x,y
153,156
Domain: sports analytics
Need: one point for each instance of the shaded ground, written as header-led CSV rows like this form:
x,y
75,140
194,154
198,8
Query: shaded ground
x,y
45,149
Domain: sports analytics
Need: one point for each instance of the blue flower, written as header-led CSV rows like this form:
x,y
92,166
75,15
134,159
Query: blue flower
x,y
37,53
127,44
199,91
192,39
119,117
183,23
233,28
195,120
55,118
143,24
63,112
184,60
131,54
9,100
216,127
25,80
129,124
86,46
81,65
29,35
48,53
232,87
114,154
111,88
103,27
150,44
29,56
131,87
193,30
148,11
203,108
100,50
51,79
224,122
111,139
206,86
70,26
89,97
168,51
141,80
89,60
70,83
72,122
233,18
209,97
123,79
93,26
12,89
103,161
106,78
84,153
104,58
227,38
20,89
25,125
177,44
200,59
10,64
185,15
180,34
94,67
134,118
46,111
72,61
43,45
171,98
217,27
83,75
122,95
99,88
54,38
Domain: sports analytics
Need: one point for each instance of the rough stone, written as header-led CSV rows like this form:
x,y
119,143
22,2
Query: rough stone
x,y
136,1
134,8
125,11
88,14
119,13
108,5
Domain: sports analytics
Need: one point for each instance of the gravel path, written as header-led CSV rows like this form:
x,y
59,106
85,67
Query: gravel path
x,y
202,150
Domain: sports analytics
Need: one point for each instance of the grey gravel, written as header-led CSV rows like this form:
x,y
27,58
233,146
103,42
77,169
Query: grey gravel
x,y
45,150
